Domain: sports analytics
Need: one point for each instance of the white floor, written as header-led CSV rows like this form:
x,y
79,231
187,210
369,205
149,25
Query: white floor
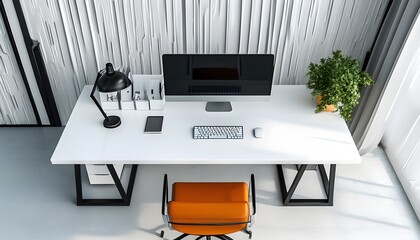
x,y
37,198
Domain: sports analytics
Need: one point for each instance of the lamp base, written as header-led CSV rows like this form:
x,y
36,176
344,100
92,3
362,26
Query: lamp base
x,y
112,122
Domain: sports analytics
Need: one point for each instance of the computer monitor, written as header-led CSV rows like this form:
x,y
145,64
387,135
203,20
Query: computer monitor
x,y
218,78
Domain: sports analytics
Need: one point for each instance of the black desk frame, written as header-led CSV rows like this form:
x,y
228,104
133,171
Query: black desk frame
x,y
125,195
328,184
286,195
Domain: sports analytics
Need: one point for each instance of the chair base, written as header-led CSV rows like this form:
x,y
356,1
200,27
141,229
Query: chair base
x,y
222,237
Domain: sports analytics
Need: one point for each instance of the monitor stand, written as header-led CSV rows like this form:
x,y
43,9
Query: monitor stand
x,y
218,107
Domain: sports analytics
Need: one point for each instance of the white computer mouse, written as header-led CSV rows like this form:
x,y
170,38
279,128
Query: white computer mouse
x,y
258,132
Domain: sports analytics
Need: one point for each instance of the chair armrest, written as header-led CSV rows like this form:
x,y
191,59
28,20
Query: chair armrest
x,y
165,217
253,203
165,194
252,191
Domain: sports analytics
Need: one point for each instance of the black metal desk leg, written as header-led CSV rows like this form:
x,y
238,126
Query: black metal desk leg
x,y
328,184
79,194
331,185
295,182
125,196
282,182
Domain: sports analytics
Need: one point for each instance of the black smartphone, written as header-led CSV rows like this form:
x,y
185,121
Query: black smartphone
x,y
153,124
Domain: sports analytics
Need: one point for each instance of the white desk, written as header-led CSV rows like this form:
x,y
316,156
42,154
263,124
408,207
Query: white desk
x,y
294,134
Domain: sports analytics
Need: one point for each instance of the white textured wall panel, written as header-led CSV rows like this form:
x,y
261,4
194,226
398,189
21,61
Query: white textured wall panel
x,y
401,139
78,37
15,106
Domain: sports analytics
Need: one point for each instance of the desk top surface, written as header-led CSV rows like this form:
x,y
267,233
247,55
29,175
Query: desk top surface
x,y
294,134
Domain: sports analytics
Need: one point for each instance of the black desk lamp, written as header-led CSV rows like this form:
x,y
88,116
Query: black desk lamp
x,y
110,81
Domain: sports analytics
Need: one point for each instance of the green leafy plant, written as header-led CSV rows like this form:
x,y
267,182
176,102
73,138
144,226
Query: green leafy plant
x,y
338,80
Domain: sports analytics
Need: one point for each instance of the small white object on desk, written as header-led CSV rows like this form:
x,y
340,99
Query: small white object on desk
x,y
258,132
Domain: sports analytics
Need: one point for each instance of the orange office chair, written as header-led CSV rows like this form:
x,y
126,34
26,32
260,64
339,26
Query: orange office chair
x,y
209,209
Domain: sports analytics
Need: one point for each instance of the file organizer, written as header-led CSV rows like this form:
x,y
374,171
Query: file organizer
x,y
146,93
149,93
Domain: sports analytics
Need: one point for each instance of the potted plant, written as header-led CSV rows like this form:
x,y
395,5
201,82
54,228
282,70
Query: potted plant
x,y
336,81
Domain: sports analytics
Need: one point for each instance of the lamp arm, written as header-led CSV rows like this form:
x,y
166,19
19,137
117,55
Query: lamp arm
x,y
94,99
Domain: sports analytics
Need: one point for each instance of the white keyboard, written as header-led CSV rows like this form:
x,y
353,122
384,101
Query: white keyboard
x,y
218,132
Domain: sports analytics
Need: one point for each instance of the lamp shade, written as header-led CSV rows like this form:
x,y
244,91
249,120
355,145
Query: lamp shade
x,y
112,81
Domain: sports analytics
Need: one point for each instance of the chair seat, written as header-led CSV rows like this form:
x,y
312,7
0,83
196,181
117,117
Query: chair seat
x,y
208,203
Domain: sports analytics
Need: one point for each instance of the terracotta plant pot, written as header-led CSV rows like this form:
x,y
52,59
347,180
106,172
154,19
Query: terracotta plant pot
x,y
328,108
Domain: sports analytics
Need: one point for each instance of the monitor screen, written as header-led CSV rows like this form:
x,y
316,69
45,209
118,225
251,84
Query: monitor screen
x,y
217,77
